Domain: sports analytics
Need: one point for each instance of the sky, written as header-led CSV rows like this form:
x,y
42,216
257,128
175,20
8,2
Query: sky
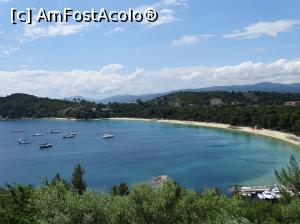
x,y
193,44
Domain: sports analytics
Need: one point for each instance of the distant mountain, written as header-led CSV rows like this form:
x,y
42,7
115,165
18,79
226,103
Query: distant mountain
x,y
131,98
263,86
78,98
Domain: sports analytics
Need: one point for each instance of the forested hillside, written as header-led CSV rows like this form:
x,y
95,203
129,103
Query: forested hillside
x,y
18,106
261,109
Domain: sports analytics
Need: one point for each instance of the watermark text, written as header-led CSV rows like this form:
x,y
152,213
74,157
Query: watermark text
x,y
69,15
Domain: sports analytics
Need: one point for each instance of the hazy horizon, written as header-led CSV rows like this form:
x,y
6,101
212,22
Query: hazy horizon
x,y
145,94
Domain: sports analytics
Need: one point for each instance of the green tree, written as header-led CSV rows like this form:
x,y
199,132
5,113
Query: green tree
x,y
57,179
297,126
121,189
15,205
290,176
78,181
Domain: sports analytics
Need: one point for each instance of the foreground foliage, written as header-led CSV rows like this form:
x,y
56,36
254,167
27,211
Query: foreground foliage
x,y
61,205
60,202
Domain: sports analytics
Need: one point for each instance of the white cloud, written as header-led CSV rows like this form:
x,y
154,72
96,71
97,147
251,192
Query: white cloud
x,y
259,29
35,31
165,16
280,47
7,51
174,2
166,10
185,40
116,30
190,40
111,79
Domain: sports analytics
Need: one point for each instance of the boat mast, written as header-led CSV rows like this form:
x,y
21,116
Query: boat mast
x,y
108,127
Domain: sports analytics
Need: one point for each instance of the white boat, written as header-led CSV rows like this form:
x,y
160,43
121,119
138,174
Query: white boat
x,y
261,197
46,146
72,133
245,194
37,135
108,135
23,141
68,135
17,130
276,193
268,195
55,131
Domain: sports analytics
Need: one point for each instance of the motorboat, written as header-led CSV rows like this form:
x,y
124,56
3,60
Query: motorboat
x,y
17,130
276,193
261,196
268,195
37,135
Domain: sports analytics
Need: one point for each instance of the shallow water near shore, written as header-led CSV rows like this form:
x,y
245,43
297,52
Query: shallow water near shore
x,y
193,156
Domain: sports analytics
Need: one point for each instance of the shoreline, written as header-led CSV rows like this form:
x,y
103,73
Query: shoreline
x,y
278,135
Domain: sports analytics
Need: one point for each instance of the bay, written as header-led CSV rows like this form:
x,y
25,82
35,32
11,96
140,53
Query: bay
x,y
194,157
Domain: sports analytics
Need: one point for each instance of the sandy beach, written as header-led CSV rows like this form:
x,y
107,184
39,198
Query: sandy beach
x,y
286,137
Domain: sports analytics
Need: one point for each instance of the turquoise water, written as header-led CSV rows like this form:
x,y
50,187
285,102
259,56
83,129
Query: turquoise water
x,y
194,157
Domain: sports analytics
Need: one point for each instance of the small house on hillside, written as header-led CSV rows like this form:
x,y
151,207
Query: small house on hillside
x,y
216,102
291,103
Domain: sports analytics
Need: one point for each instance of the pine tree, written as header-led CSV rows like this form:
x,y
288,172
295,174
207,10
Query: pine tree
x,y
290,177
121,189
78,181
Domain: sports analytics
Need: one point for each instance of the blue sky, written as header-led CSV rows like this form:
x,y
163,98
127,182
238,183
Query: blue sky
x,y
196,43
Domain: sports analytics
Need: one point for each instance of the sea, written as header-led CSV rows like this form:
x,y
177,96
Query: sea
x,y
194,157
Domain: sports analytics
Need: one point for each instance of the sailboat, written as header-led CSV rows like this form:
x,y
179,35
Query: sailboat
x,y
108,133
23,141
70,134
46,144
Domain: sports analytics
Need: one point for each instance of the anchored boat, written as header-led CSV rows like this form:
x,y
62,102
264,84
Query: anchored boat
x,y
46,146
55,131
23,141
69,135
108,133
17,130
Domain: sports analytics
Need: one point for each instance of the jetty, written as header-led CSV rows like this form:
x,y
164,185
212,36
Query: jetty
x,y
257,189
270,192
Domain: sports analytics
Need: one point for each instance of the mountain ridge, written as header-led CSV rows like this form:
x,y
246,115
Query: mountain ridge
x,y
262,86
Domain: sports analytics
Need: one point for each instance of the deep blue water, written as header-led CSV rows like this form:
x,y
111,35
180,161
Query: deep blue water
x,y
194,157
